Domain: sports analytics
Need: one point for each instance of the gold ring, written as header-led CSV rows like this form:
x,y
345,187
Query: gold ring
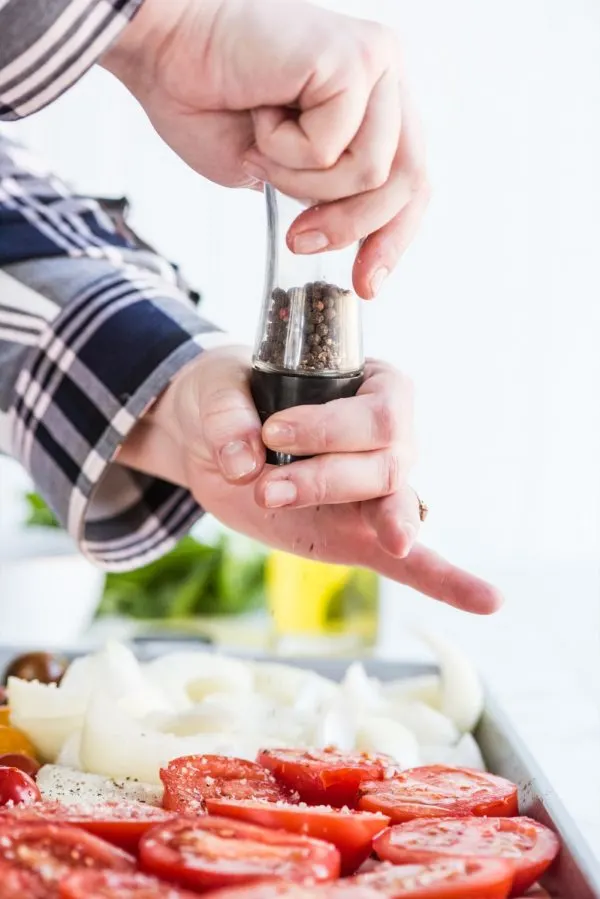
x,y
423,508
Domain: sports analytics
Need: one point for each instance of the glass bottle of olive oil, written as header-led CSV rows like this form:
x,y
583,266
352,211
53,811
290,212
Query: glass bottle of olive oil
x,y
318,608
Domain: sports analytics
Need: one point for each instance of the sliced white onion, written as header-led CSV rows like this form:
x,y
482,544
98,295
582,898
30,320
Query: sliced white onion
x,y
70,753
117,745
187,677
462,691
364,693
425,688
384,735
285,683
337,724
47,714
427,724
466,754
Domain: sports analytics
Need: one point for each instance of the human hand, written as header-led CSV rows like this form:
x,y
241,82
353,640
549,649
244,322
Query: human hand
x,y
350,504
280,90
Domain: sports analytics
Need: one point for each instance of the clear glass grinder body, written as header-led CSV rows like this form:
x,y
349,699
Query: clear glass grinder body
x,y
309,347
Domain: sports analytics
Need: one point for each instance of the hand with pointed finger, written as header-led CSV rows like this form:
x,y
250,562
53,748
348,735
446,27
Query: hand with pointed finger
x,y
315,102
350,503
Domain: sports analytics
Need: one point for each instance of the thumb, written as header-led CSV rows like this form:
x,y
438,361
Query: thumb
x,y
217,417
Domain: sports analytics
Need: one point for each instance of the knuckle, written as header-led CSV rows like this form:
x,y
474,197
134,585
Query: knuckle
x,y
374,174
319,485
376,41
225,411
385,422
390,473
325,157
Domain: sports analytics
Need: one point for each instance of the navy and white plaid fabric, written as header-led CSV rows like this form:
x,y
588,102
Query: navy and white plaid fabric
x,y
93,323
92,330
47,45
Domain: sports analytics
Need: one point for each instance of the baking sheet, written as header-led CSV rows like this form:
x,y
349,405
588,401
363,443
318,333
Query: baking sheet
x,y
576,875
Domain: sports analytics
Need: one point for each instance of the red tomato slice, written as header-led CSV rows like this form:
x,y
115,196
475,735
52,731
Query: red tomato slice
x,y
207,853
119,824
113,885
352,832
189,780
527,846
326,776
437,791
448,879
35,857
443,879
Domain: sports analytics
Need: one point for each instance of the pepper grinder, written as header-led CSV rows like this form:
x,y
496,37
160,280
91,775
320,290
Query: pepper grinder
x,y
309,347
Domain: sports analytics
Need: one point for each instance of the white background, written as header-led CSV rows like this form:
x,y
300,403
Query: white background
x,y
494,311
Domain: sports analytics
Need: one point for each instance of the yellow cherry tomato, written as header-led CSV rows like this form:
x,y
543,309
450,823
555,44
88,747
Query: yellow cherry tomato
x,y
14,740
4,716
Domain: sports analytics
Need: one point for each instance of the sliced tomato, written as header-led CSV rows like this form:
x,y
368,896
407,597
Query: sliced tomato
x,y
529,847
437,791
121,824
189,780
114,885
34,858
352,832
443,879
210,852
278,889
326,776
448,879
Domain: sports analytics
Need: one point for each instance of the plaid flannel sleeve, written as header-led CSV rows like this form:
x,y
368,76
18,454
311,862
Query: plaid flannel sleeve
x,y
92,330
47,45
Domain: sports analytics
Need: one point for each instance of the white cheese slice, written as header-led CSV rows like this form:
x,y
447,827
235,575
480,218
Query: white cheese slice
x,y
72,787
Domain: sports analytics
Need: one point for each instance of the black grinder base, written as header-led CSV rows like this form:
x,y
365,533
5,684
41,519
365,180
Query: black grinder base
x,y
273,391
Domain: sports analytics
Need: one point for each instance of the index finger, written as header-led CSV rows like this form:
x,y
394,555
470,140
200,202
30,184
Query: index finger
x,y
430,574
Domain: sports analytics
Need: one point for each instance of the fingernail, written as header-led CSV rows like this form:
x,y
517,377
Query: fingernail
x,y
255,171
310,242
237,460
378,279
280,493
278,434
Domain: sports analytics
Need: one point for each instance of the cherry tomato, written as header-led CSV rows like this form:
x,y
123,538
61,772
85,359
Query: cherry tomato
x,y
116,885
190,780
442,879
120,824
44,667
437,791
208,853
14,740
35,857
18,760
527,846
352,832
16,787
326,776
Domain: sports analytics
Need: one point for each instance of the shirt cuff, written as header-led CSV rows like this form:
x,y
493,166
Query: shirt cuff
x,y
50,44
97,367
